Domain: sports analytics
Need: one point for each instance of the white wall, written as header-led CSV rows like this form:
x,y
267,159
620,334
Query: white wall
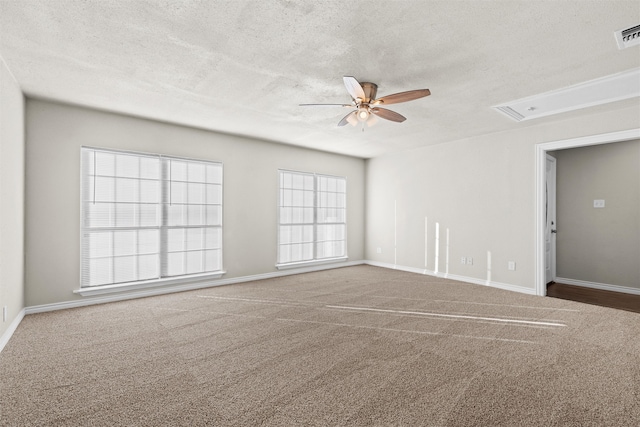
x,y
55,133
481,189
11,198
600,245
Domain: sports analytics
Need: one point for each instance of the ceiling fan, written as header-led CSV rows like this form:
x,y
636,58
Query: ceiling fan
x,y
367,106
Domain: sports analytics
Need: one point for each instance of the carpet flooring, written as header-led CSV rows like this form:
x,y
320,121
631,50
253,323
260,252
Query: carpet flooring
x,y
354,346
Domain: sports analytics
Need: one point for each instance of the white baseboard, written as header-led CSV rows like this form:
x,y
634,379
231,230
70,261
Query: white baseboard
x,y
402,268
595,285
182,287
466,279
4,339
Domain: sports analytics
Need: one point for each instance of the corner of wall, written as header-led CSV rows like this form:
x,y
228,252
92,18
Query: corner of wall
x,y
12,220
8,333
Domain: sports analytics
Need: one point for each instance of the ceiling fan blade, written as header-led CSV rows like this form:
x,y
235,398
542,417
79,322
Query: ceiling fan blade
x,y
353,87
349,118
402,97
326,105
388,114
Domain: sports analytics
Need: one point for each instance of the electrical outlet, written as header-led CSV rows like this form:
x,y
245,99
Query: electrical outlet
x,y
469,261
379,250
511,266
598,203
463,260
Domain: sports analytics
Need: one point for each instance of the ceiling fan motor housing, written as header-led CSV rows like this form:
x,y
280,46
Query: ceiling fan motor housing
x,y
370,91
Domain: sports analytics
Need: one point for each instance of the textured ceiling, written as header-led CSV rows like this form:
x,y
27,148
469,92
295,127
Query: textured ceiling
x,y
243,67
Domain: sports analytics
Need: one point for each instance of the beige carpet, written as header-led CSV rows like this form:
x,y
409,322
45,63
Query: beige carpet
x,y
356,346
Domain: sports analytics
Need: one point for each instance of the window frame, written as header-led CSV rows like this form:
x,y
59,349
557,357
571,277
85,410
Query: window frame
x,y
162,226
314,261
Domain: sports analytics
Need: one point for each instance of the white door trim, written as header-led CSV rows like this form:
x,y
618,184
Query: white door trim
x,y
550,216
541,158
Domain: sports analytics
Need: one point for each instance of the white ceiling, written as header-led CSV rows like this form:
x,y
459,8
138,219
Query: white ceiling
x,y
243,66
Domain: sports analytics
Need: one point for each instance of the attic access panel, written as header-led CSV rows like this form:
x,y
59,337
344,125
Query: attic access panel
x,y
615,87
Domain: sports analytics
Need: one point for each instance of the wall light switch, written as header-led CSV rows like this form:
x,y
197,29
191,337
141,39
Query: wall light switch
x,y
511,266
379,250
598,203
4,313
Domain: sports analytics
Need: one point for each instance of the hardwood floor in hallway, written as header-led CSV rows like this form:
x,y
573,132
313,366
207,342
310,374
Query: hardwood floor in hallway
x,y
600,297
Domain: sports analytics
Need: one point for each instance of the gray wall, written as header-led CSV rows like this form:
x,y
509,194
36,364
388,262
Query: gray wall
x,y
481,189
55,133
599,245
11,197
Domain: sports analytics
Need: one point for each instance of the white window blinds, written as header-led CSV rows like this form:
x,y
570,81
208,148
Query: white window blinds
x,y
312,217
147,217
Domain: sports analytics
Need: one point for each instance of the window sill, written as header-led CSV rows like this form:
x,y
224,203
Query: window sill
x,y
131,286
310,263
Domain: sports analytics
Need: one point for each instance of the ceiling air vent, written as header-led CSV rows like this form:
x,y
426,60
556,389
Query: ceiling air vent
x,y
505,109
628,37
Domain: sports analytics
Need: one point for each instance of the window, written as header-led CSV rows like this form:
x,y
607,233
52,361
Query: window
x,y
312,217
148,217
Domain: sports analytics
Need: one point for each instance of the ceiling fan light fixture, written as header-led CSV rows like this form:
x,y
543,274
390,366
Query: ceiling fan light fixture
x,y
352,119
363,114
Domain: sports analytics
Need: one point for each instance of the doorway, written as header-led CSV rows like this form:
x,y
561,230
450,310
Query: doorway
x,y
541,193
550,220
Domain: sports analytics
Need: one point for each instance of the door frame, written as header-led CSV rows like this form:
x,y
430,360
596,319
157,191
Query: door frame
x,y
541,159
550,211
